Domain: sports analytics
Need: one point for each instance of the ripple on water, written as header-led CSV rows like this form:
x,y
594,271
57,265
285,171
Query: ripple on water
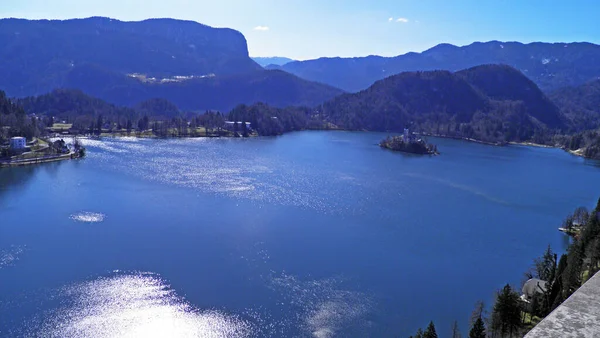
x,y
212,166
325,308
88,217
134,305
9,256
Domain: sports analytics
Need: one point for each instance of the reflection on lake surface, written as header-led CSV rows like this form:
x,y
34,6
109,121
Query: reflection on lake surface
x,y
132,305
312,234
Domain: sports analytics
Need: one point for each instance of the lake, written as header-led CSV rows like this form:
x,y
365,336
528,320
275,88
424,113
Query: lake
x,y
310,234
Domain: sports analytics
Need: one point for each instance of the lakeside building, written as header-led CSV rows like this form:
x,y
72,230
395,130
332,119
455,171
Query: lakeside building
x,y
230,125
18,143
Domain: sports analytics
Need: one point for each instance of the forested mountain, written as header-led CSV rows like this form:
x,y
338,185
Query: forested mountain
x,y
272,60
549,65
222,93
504,83
580,104
37,55
488,103
195,66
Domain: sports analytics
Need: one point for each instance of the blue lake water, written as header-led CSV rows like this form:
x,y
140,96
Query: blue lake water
x,y
311,234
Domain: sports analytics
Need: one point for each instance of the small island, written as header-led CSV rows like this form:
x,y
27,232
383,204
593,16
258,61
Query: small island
x,y
409,143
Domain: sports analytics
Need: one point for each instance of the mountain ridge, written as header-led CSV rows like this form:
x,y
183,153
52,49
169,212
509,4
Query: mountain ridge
x,y
196,66
453,104
549,65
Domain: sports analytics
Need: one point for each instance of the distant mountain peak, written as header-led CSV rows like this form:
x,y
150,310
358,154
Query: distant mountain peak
x,y
272,60
577,63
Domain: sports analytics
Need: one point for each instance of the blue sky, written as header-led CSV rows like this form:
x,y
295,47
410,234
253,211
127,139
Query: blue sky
x,y
305,29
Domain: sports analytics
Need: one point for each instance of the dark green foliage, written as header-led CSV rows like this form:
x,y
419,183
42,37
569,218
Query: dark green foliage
x,y
158,108
77,108
545,267
99,124
430,331
586,141
78,148
14,121
504,83
506,315
549,65
267,120
478,329
448,104
397,143
581,104
556,294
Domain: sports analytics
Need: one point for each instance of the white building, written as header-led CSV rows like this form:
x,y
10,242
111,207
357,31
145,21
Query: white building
x,y
18,143
230,125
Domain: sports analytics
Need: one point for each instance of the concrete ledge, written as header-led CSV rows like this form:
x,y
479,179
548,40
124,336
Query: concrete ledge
x,y
578,316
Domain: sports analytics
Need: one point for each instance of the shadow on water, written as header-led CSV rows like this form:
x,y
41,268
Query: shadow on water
x,y
592,163
18,178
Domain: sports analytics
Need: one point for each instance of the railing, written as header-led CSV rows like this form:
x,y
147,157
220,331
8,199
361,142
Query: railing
x,y
578,316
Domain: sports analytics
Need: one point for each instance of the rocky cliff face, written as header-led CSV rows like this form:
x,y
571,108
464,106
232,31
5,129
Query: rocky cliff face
x,y
38,55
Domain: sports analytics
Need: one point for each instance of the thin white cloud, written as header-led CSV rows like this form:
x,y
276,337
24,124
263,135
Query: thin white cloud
x,y
391,19
261,28
402,20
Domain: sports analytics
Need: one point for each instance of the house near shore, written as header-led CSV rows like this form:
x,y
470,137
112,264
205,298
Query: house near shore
x,y
230,125
18,143
531,288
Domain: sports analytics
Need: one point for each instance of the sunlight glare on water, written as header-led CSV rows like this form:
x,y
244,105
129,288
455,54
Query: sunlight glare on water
x,y
88,217
136,305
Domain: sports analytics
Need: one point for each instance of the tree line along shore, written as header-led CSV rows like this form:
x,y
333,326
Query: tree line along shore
x,y
545,286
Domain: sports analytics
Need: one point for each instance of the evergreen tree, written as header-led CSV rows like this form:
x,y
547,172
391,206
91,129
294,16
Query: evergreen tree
x,y
571,277
99,124
419,334
545,266
556,295
430,332
477,312
244,129
478,329
506,316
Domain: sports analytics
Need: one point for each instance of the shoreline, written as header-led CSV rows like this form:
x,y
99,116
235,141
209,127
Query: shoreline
x,y
578,152
497,144
39,160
